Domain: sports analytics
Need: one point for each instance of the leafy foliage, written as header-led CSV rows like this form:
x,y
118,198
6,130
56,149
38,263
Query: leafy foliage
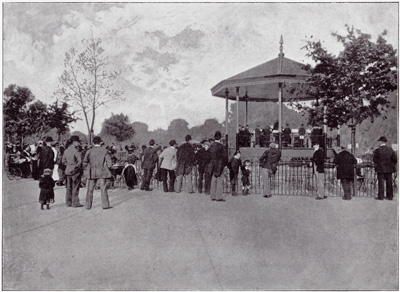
x,y
25,117
17,122
354,85
118,126
87,81
178,128
60,118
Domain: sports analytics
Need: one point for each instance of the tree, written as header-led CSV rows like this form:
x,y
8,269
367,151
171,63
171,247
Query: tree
x,y
59,117
15,110
38,118
87,80
178,129
118,126
354,85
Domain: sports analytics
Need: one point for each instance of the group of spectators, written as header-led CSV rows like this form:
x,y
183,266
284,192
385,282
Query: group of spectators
x,y
263,137
33,159
175,162
80,165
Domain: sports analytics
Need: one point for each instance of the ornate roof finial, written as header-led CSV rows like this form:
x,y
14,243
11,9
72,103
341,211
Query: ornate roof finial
x,y
281,55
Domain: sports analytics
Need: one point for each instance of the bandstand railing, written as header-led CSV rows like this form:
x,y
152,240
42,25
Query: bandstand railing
x,y
293,178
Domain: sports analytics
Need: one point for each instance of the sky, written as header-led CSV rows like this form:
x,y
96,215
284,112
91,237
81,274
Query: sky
x,y
172,54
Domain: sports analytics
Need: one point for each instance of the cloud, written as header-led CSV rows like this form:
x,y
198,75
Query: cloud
x,y
171,54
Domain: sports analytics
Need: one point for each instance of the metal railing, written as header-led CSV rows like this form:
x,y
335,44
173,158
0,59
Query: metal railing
x,y
293,178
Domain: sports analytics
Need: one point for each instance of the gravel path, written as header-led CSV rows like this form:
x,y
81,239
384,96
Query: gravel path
x,y
169,241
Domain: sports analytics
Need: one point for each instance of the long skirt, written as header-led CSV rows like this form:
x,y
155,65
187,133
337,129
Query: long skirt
x,y
130,176
46,196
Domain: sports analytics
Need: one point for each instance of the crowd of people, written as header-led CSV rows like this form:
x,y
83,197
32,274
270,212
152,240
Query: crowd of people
x,y
80,166
301,137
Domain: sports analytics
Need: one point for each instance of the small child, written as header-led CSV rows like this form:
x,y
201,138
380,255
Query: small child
x,y
246,170
233,166
46,185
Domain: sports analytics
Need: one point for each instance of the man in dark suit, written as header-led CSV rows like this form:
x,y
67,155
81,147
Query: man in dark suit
x,y
185,159
149,163
203,158
287,140
219,159
345,162
319,170
46,157
385,161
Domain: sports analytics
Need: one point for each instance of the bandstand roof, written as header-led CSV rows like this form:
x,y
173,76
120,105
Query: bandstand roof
x,y
261,83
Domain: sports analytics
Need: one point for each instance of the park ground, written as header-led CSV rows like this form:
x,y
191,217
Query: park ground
x,y
180,241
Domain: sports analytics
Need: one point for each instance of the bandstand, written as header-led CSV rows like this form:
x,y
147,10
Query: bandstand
x,y
277,80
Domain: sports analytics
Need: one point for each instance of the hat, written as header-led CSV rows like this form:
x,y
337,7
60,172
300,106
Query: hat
x,y
97,140
49,139
47,171
172,142
217,135
207,143
383,139
272,145
74,138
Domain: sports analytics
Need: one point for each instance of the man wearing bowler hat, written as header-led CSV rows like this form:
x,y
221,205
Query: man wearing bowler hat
x,y
97,162
385,161
72,160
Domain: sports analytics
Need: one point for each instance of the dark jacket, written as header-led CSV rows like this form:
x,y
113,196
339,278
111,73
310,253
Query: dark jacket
x,y
203,158
345,162
219,158
46,158
185,159
233,165
385,160
46,185
269,159
185,153
319,160
149,158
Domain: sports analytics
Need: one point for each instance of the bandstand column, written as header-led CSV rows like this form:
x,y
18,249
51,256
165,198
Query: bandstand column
x,y
281,55
247,112
226,118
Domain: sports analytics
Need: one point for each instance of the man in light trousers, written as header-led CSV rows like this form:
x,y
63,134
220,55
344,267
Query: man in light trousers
x,y
97,162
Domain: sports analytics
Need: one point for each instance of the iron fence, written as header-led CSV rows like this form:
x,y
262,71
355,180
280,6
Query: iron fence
x,y
294,178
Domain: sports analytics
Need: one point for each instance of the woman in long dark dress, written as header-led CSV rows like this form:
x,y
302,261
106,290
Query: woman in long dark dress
x,y
129,171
